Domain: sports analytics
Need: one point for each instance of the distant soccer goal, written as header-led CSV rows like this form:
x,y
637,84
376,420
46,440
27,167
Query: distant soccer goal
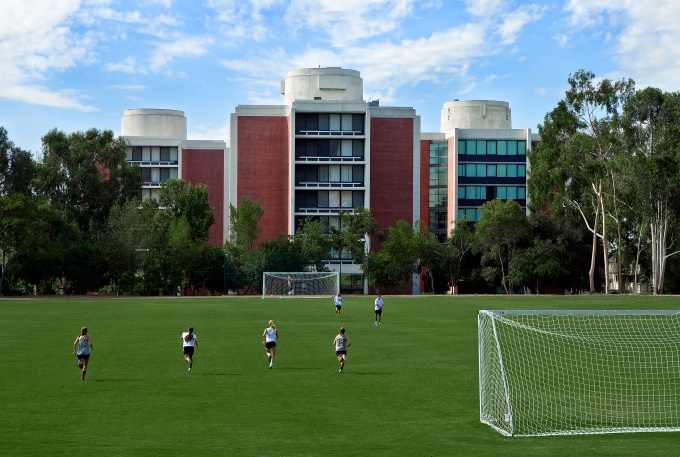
x,y
284,284
579,372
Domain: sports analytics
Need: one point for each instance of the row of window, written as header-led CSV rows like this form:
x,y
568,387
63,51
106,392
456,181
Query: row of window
x,y
329,122
331,199
329,148
157,174
329,174
491,192
495,170
472,214
492,147
152,154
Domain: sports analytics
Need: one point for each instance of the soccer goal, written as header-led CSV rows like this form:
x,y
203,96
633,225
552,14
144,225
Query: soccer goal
x,y
579,372
284,284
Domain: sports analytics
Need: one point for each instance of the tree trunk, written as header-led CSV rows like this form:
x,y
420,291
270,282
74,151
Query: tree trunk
x,y
591,273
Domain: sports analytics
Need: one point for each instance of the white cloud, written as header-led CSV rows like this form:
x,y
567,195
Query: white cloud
x,y
561,39
243,18
210,132
346,22
182,46
483,8
35,44
128,66
514,22
645,37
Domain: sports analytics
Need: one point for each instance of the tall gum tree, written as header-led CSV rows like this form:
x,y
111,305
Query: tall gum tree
x,y
573,164
652,127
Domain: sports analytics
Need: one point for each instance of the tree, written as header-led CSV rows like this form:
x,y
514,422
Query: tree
x,y
191,202
501,229
393,267
457,248
353,237
17,168
240,247
82,176
314,243
652,120
121,241
573,163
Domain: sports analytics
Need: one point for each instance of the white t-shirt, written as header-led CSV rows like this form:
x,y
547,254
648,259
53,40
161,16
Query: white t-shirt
x,y
186,343
338,301
270,334
378,304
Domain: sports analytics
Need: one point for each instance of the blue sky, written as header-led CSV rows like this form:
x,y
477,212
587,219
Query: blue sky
x,y
78,64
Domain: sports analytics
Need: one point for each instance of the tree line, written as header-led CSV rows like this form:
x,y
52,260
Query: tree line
x,y
603,183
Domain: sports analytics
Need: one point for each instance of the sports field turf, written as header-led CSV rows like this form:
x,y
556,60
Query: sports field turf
x,y
410,385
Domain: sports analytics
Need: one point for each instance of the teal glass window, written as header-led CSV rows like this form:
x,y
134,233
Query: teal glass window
x,y
502,192
481,147
502,170
521,170
512,193
471,170
471,147
521,193
512,170
461,147
481,170
461,169
502,148
512,148
491,148
521,147
491,170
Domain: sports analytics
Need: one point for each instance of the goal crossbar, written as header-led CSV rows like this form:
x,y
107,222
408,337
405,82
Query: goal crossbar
x,y
545,372
286,284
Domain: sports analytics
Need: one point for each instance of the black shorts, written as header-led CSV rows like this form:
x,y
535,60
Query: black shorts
x,y
270,344
188,350
378,312
341,351
83,356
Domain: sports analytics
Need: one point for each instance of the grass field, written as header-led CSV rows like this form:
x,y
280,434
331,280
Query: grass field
x,y
410,386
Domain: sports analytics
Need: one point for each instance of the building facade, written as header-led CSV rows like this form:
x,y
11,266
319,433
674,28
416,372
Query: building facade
x,y
325,150
157,142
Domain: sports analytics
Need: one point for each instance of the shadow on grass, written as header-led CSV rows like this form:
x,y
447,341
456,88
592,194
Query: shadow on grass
x,y
216,374
112,380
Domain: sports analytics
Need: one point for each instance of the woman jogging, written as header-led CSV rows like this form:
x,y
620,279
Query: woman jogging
x,y
189,342
341,343
338,304
269,337
81,349
378,309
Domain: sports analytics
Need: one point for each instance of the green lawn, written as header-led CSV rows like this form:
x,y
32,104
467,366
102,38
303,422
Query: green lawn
x,y
409,388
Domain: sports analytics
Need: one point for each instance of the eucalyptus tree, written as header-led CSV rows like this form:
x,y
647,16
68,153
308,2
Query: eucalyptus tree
x,y
499,233
652,125
573,164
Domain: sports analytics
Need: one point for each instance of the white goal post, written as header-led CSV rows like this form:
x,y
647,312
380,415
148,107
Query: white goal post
x,y
286,284
579,372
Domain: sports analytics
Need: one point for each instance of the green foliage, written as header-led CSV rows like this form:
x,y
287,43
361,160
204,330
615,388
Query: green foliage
x,y
500,232
391,268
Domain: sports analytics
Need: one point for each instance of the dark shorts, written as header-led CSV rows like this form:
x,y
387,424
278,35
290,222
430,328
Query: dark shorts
x,y
342,351
378,312
83,356
189,350
338,306
270,344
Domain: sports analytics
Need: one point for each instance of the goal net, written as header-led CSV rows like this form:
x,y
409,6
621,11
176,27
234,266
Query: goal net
x,y
579,372
283,284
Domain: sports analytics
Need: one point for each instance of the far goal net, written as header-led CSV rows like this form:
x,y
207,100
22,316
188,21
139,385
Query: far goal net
x,y
579,372
284,284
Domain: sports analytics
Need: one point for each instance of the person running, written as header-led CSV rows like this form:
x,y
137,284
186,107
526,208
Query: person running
x,y
189,342
341,343
378,309
269,337
81,349
338,304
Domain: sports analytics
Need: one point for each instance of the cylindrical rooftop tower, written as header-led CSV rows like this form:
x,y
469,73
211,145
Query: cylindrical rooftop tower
x,y
160,123
332,83
476,114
